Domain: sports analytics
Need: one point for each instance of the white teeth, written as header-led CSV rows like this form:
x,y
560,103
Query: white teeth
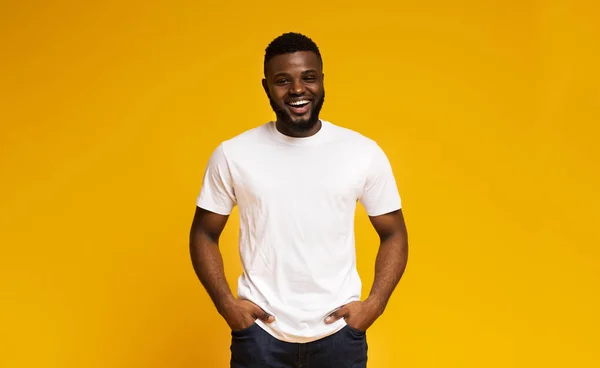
x,y
296,103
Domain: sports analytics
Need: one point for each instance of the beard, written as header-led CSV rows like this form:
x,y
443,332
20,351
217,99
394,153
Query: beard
x,y
302,125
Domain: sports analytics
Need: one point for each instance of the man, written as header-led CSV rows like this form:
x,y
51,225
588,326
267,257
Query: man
x,y
296,182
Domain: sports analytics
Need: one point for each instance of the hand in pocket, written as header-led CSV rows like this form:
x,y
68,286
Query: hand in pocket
x,y
358,315
240,314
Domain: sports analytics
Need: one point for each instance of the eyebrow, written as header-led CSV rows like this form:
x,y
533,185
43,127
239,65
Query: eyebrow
x,y
281,74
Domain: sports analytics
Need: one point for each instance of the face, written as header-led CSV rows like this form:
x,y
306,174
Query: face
x,y
294,85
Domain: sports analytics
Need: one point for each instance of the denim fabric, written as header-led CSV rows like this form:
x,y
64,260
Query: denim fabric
x,y
255,348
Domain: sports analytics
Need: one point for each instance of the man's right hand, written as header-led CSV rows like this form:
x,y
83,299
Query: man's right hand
x,y
240,314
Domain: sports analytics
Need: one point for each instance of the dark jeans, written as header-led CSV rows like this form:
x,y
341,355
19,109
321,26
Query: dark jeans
x,y
253,347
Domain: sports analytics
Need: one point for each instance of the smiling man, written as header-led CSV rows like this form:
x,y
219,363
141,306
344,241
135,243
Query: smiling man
x,y
296,182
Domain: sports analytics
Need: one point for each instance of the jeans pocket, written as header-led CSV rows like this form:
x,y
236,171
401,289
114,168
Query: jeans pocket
x,y
356,332
243,331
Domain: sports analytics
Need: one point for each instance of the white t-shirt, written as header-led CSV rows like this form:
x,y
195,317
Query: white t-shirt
x,y
297,200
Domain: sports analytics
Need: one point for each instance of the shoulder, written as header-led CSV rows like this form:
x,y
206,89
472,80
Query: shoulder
x,y
353,139
245,140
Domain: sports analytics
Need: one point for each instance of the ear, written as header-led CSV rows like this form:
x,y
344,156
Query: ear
x,y
265,86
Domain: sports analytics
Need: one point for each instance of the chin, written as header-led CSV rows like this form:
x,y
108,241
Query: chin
x,y
303,125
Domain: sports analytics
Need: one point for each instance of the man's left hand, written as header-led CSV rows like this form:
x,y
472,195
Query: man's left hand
x,y
358,315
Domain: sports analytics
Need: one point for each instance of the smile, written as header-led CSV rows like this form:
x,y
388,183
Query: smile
x,y
299,107
300,103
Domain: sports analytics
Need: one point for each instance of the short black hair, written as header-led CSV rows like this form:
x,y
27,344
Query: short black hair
x,y
289,43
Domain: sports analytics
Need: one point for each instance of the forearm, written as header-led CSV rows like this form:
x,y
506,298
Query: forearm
x,y
389,267
208,265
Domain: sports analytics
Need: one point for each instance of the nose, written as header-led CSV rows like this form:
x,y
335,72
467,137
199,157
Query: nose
x,y
296,87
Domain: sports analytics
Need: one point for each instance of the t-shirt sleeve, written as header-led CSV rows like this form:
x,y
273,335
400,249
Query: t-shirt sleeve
x,y
380,193
217,194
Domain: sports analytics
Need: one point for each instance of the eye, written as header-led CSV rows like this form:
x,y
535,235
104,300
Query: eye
x,y
281,81
310,78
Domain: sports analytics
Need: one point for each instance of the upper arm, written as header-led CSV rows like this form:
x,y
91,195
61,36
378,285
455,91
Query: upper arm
x,y
390,224
380,195
217,194
207,223
216,199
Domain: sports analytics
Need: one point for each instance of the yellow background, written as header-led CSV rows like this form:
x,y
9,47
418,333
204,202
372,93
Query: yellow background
x,y
488,110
